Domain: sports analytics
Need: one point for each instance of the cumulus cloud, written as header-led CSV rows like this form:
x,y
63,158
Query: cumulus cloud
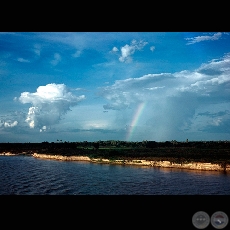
x,y
115,49
128,50
43,128
173,99
123,93
8,123
213,79
49,104
197,39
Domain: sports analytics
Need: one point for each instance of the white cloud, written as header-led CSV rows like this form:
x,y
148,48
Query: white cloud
x,y
115,49
8,124
56,60
49,104
152,48
155,88
95,124
210,78
197,39
172,99
31,117
123,93
43,129
213,78
11,124
128,50
77,54
37,49
23,60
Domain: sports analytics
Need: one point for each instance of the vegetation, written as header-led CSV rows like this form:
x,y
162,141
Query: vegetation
x,y
173,151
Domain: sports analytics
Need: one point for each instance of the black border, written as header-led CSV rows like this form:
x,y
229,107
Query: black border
x,y
109,211
155,212
116,16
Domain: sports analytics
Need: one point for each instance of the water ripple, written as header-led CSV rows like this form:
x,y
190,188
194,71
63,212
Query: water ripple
x,y
22,175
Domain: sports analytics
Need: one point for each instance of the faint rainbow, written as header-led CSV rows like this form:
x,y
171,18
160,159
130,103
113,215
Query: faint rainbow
x,y
135,120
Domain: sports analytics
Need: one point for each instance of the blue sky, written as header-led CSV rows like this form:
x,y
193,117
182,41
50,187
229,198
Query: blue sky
x,y
131,86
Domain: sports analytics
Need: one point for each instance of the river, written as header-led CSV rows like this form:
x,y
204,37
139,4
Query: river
x,y
26,175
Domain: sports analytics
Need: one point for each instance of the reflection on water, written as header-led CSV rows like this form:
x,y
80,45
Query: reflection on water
x,y
24,175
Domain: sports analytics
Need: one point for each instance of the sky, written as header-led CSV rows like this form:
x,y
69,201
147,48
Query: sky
x,y
127,86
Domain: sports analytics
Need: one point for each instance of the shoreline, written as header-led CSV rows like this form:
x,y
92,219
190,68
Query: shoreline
x,y
135,162
138,162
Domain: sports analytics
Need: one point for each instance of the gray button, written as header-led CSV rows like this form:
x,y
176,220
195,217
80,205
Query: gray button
x,y
219,220
201,220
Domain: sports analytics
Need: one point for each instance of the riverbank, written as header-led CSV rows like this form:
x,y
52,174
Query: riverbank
x,y
138,162
195,165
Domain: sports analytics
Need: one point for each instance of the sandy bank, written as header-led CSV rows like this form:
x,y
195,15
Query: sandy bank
x,y
166,164
62,158
7,154
14,154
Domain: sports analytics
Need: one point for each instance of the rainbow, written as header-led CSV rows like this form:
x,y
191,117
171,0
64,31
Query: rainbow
x,y
135,120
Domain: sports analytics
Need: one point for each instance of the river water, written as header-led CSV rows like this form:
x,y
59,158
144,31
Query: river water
x,y
26,175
